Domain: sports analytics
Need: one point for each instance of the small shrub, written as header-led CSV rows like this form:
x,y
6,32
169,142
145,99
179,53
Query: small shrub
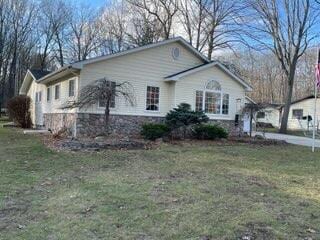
x,y
152,131
18,110
183,116
210,132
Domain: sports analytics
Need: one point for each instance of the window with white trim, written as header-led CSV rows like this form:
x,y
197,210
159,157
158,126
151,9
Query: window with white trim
x,y
212,99
71,87
48,94
297,113
57,92
38,96
102,103
152,101
199,100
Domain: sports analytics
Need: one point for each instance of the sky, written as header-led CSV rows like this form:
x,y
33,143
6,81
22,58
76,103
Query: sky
x,y
94,3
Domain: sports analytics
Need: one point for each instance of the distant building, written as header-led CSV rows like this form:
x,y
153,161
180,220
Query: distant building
x,y
301,114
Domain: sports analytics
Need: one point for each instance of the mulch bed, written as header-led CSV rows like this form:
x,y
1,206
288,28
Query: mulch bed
x,y
114,143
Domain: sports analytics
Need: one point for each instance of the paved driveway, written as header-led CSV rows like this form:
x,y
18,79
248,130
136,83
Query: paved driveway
x,y
303,141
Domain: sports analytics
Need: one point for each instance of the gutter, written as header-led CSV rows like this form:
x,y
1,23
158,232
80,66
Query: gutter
x,y
67,69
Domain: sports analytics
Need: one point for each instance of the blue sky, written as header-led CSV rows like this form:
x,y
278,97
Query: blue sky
x,y
94,3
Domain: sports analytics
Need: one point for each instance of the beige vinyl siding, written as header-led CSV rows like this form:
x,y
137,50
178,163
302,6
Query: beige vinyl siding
x,y
54,105
141,69
308,109
186,87
37,109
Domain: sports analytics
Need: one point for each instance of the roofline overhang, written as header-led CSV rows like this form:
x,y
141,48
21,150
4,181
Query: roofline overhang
x,y
177,77
61,72
24,88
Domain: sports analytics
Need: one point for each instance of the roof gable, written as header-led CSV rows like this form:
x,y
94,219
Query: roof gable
x,y
179,75
38,73
142,48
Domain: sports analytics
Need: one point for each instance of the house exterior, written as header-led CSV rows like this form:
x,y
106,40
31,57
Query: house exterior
x,y
270,115
162,75
299,112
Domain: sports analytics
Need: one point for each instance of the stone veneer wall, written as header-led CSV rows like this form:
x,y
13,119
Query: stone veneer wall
x,y
230,126
93,124
90,125
59,121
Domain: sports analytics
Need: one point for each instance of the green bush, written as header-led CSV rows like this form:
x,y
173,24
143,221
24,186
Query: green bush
x,y
19,110
152,131
210,132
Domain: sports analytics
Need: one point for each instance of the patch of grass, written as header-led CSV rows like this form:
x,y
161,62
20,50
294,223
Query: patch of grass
x,y
191,191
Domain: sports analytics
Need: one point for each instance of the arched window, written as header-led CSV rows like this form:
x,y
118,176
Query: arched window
x,y
212,99
213,85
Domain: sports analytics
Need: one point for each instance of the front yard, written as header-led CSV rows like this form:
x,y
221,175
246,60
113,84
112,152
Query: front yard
x,y
184,191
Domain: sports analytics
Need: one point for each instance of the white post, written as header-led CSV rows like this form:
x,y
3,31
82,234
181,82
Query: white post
x,y
314,115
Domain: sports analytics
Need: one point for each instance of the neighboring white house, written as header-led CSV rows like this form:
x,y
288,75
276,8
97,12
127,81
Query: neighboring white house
x,y
162,75
271,114
298,114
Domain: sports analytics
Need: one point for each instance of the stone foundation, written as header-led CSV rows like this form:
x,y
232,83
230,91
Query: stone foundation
x,y
230,126
60,121
91,125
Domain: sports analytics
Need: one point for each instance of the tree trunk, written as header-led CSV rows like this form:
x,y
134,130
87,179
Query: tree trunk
x,y
106,115
284,120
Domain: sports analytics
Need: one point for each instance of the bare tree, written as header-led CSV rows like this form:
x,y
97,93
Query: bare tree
x,y
221,24
85,33
105,92
112,27
16,28
286,28
192,19
163,10
145,29
52,20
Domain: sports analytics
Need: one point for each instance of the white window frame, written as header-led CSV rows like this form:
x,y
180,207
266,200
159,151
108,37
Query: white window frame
x,y
38,97
146,97
50,95
74,87
57,99
221,92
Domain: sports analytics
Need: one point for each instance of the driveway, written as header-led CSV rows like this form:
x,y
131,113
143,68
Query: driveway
x,y
303,141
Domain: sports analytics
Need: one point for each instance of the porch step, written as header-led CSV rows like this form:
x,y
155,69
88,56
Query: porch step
x,y
36,131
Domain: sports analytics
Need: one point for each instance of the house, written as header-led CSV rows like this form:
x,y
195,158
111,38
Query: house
x,y
299,112
270,115
162,75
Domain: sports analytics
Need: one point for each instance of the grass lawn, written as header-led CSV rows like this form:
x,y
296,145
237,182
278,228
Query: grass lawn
x,y
174,192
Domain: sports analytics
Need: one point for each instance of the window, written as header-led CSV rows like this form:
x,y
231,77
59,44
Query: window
x,y
225,104
212,103
261,115
38,96
152,103
57,92
71,88
102,103
297,113
48,94
199,100
212,100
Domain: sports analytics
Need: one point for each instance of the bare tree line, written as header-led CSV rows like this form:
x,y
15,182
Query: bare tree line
x,y
268,78
48,34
